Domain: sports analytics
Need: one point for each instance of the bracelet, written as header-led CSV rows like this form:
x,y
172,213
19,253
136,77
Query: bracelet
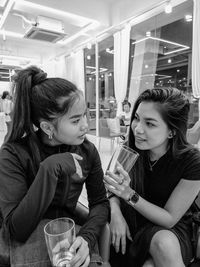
x,y
133,199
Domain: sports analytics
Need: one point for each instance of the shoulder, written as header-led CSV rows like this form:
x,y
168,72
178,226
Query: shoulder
x,y
88,147
190,164
14,149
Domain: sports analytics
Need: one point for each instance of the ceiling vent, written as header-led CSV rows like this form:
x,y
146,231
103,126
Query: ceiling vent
x,y
45,29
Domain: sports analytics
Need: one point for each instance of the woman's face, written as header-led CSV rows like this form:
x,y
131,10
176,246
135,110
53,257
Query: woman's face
x,y
150,130
126,108
72,127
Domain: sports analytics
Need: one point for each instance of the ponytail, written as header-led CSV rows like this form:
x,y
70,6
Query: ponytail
x,y
22,124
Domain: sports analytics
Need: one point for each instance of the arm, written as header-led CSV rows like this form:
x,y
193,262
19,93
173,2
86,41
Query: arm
x,y
23,207
178,203
98,202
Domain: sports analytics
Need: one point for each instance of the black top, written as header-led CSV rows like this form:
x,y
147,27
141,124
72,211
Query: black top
x,y
167,173
27,196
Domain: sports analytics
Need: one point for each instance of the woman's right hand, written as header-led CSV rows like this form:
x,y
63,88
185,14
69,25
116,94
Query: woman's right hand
x,y
119,232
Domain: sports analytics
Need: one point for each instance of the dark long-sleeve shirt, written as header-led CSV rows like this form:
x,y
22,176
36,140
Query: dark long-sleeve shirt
x,y
27,196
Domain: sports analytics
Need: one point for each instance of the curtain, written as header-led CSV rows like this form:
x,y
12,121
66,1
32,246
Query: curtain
x,y
121,62
75,69
196,49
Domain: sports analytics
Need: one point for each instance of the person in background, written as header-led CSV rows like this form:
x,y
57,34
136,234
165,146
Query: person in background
x,y
126,114
7,107
152,206
42,172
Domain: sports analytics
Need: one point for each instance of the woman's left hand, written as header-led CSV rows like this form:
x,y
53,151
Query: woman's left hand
x,y
82,257
118,183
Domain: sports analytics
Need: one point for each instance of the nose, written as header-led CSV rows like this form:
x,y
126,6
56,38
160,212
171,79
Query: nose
x,y
84,124
139,128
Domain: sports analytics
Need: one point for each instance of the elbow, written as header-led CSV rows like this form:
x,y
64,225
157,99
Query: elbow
x,y
169,223
17,234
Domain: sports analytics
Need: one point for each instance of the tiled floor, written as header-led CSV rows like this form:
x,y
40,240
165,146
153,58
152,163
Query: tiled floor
x,y
105,154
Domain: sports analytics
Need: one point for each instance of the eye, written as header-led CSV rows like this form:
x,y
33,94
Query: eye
x,y
149,124
76,121
136,118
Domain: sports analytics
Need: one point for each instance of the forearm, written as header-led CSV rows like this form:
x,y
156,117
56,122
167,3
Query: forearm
x,y
98,216
25,217
155,214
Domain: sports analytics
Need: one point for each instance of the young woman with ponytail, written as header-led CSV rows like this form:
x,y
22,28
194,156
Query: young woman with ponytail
x,y
44,163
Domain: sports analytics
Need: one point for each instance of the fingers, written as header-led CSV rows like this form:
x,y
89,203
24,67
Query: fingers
x,y
77,165
62,244
76,156
87,262
128,234
82,252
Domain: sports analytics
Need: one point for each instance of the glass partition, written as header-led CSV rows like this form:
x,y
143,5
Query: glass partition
x,y
160,54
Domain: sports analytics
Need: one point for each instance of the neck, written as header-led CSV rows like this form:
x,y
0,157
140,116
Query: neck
x,y
155,155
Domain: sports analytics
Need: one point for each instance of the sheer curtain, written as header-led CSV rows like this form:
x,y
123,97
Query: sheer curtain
x,y
75,69
196,51
121,62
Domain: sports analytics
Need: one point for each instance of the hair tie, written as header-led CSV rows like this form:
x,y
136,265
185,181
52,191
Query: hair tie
x,y
39,78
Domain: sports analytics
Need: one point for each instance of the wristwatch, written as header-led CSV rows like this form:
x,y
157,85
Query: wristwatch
x,y
133,199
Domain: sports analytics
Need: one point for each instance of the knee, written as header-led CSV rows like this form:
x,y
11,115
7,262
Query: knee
x,y
164,243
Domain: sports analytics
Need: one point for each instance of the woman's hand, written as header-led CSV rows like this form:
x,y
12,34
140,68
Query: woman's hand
x,y
76,157
82,257
118,183
119,232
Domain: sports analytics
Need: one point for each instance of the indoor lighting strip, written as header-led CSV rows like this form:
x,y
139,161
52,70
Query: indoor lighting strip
x,y
11,34
82,20
6,12
183,47
18,58
90,26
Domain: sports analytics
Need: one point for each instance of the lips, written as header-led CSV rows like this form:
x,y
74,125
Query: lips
x,y
139,139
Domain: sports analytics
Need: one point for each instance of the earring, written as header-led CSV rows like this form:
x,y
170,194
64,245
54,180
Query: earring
x,y
171,135
50,136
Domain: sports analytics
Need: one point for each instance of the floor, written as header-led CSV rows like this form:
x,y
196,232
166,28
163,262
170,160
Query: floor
x,y
104,151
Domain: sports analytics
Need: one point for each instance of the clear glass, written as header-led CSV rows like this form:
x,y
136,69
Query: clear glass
x,y
60,235
123,156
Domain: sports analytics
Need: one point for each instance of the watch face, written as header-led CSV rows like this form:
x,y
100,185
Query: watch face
x,y
135,198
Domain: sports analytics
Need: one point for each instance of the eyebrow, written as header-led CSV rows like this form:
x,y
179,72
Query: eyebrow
x,y
77,115
148,119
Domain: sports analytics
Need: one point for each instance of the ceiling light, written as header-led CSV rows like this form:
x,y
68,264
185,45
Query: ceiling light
x,y
182,47
6,12
169,60
168,7
88,27
188,18
77,20
11,34
148,33
89,46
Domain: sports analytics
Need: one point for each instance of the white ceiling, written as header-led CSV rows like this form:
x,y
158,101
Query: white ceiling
x,y
82,20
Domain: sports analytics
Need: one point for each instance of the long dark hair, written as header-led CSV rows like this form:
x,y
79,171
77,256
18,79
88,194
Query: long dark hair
x,y
173,107
37,97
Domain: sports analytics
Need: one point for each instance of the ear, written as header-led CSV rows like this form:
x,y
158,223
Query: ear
x,y
172,133
47,127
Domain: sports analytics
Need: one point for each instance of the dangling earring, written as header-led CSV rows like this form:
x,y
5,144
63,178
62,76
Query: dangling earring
x,y
50,136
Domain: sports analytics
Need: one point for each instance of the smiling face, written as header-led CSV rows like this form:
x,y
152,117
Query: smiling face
x,y
72,127
150,130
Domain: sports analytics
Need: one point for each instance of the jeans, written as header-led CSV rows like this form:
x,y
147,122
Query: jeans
x,y
33,253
